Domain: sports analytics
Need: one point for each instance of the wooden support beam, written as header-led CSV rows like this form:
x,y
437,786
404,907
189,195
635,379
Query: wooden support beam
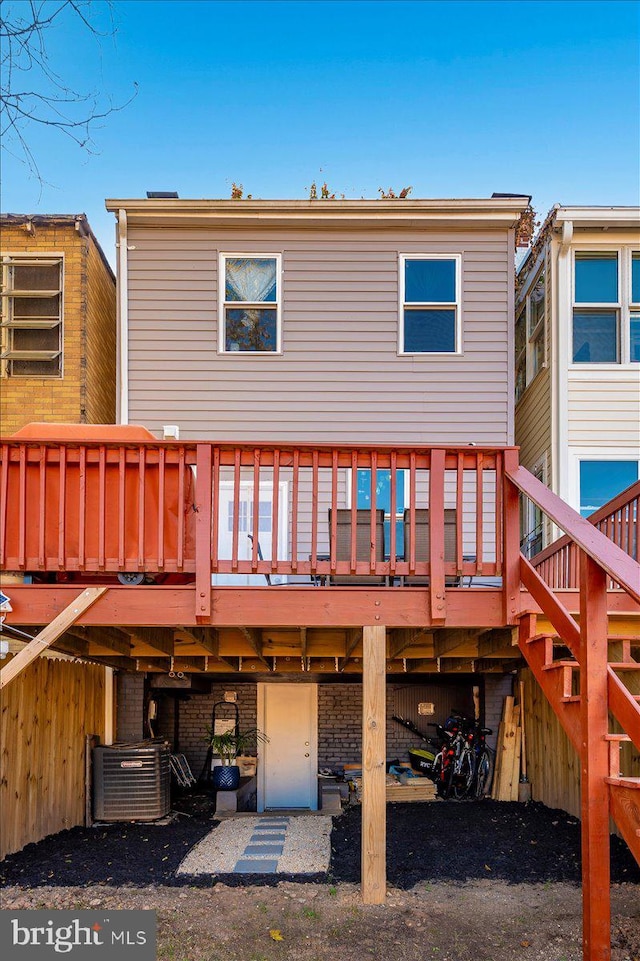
x,y
50,634
457,665
374,803
255,639
303,642
201,641
152,641
104,640
403,638
353,639
499,643
594,762
463,642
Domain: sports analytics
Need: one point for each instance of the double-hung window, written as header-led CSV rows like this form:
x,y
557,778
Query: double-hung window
x,y
530,335
596,308
250,304
32,317
634,313
430,304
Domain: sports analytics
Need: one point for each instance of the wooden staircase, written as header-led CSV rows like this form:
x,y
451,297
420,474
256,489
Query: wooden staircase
x,y
591,677
558,674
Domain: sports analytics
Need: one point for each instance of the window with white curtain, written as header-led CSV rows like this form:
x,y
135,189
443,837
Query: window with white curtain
x,y
250,304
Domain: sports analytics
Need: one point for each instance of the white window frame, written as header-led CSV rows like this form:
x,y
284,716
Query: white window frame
x,y
26,259
634,306
623,308
540,330
456,306
263,305
578,455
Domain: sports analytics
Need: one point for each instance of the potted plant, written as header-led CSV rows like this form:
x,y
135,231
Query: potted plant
x,y
228,745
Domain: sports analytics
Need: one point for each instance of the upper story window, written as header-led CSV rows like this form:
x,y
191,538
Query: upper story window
x,y
32,317
606,320
634,318
250,314
430,309
531,335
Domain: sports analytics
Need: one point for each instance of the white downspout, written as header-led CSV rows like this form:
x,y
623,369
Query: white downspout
x,y
123,321
560,444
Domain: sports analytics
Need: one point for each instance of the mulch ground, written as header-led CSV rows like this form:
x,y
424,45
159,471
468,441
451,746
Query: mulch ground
x,y
437,841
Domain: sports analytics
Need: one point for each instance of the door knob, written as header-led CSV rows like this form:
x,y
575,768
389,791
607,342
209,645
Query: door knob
x,y
307,754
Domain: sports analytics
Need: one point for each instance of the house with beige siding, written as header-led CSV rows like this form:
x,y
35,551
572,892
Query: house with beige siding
x,y
577,358
58,348
319,322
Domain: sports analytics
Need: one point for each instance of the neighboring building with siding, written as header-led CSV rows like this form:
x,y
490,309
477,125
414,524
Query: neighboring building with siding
x,y
58,360
577,357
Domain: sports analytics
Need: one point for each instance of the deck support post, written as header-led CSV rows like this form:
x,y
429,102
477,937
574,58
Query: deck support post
x,y
204,493
374,801
594,762
511,542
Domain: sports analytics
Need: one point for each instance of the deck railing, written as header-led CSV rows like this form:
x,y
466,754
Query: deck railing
x,y
558,564
250,511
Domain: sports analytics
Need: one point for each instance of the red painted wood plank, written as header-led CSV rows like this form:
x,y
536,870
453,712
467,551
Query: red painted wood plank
x,y
594,762
202,605
609,556
437,595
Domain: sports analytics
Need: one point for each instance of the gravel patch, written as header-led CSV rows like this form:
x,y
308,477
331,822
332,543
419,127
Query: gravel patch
x,y
306,848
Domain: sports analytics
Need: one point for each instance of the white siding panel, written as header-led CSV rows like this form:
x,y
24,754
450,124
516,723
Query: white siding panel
x,y
604,410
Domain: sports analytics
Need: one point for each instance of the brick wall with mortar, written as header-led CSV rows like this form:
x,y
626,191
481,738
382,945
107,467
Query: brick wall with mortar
x,y
64,399
497,687
130,707
339,718
100,339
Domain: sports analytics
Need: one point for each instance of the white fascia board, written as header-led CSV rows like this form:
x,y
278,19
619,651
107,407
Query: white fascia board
x,y
600,216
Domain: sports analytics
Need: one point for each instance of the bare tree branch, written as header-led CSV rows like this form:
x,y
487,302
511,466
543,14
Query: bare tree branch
x,y
46,100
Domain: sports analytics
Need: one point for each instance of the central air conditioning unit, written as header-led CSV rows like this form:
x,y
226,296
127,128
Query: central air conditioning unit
x,y
131,782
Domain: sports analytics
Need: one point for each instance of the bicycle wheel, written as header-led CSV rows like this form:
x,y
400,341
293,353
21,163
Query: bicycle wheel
x,y
484,773
463,777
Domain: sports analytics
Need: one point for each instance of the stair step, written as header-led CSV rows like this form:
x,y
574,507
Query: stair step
x,y
617,737
571,699
630,782
624,665
556,664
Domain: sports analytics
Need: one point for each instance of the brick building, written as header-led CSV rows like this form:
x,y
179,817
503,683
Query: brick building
x,y
58,358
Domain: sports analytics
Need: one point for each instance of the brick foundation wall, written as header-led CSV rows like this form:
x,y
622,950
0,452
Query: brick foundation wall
x,y
339,716
130,707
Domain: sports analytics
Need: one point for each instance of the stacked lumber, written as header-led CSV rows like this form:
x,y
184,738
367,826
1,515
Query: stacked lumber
x,y
506,776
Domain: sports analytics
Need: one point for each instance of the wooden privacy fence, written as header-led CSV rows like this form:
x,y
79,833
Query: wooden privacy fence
x,y
47,711
163,508
558,565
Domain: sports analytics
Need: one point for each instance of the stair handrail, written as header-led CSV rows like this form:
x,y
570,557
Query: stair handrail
x,y
602,513
619,565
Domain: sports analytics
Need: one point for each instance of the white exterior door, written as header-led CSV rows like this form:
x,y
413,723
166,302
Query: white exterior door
x,y
245,528
288,715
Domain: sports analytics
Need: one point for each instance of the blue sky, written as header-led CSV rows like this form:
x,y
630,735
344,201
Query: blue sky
x,y
457,99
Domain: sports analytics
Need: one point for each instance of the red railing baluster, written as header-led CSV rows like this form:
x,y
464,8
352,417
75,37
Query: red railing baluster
x,y
437,594
295,498
275,511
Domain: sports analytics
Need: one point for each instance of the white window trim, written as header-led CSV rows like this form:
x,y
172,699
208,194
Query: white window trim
x,y
624,305
223,256
524,307
9,258
457,305
579,454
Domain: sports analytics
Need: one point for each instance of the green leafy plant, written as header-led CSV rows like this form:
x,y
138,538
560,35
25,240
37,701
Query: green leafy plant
x,y
232,743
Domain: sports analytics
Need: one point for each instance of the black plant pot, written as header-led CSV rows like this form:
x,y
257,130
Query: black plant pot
x,y
226,778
